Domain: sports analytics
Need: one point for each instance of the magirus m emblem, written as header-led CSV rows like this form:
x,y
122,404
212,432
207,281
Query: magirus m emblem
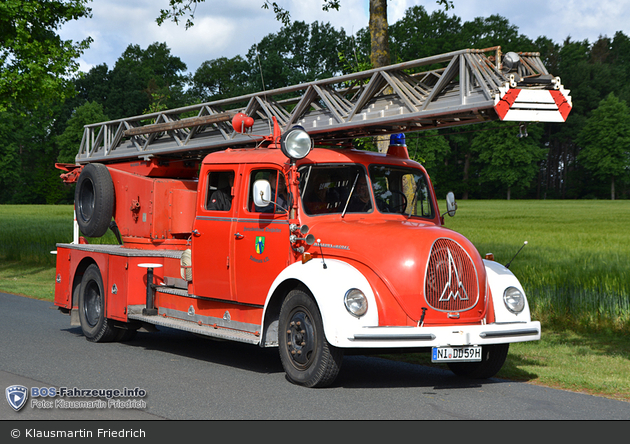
x,y
454,287
16,396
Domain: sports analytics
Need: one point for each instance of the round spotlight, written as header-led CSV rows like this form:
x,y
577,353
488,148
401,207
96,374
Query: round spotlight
x,y
296,143
511,61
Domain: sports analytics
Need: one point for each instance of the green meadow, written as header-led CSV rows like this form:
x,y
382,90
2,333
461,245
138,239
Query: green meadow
x,y
575,270
575,267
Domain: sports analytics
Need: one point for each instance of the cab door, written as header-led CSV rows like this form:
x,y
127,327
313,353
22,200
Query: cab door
x,y
261,239
213,233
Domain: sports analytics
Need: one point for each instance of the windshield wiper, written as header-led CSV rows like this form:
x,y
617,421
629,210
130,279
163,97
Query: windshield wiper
x,y
350,195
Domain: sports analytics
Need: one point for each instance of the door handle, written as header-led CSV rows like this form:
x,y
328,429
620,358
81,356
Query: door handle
x,y
239,236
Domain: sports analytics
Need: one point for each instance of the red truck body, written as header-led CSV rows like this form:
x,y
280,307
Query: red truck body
x,y
227,232
227,273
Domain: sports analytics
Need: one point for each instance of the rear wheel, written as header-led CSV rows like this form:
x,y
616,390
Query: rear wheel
x,y
307,357
96,328
492,359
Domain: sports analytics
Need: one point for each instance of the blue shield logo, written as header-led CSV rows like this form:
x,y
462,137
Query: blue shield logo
x,y
17,396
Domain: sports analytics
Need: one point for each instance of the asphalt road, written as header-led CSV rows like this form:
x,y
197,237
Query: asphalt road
x,y
186,377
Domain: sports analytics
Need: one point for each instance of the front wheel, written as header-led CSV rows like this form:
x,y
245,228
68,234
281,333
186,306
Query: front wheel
x,y
492,359
307,357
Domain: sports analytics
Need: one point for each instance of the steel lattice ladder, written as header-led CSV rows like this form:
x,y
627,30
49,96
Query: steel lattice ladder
x,y
458,88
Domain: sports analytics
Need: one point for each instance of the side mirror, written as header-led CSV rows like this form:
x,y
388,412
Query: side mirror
x,y
262,193
451,205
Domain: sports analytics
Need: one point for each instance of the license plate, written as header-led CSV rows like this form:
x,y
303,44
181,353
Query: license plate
x,y
456,354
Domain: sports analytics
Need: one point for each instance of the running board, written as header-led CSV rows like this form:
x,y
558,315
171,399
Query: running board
x,y
135,313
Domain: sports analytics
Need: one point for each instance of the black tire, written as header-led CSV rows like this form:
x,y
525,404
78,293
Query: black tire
x,y
96,328
492,359
94,200
307,357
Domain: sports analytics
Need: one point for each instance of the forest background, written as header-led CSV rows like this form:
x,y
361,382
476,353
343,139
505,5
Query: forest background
x,y
588,157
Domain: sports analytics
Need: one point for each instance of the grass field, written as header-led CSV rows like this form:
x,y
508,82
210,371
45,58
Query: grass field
x,y
575,270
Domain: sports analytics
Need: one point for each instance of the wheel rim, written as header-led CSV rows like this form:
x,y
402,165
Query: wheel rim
x,y
301,339
86,200
92,306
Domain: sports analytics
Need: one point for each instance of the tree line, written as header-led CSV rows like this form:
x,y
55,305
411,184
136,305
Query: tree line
x,y
587,157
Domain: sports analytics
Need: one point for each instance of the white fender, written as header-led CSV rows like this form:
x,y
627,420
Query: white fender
x,y
500,278
328,286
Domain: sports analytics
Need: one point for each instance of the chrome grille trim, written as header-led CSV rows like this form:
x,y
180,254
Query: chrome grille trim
x,y
451,282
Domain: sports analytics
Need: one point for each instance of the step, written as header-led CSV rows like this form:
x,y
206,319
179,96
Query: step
x,y
135,313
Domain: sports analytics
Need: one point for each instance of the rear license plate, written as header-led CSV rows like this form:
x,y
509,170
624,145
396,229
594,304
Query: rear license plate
x,y
456,354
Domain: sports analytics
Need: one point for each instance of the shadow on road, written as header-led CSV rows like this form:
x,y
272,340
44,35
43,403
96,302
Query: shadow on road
x,y
357,371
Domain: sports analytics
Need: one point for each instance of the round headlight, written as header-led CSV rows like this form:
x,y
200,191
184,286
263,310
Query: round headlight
x,y
296,143
514,300
356,302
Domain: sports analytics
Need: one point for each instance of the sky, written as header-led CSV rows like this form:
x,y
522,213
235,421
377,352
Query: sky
x,y
226,28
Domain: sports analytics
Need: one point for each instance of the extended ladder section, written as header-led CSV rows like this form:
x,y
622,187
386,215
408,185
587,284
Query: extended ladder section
x,y
458,88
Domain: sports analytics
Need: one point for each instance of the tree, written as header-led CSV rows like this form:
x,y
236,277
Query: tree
x,y
138,81
180,8
506,158
27,159
70,140
379,34
298,53
495,31
419,34
35,63
428,148
377,23
605,141
142,75
220,78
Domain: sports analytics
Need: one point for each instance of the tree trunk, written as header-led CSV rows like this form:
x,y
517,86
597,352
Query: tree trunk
x,y
379,33
509,192
380,49
612,188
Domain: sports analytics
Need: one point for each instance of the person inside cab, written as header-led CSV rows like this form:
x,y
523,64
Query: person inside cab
x,y
360,201
221,198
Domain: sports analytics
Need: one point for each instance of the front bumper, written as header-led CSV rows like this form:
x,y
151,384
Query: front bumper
x,y
456,335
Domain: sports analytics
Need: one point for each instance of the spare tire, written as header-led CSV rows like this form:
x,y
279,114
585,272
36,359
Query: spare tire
x,y
94,200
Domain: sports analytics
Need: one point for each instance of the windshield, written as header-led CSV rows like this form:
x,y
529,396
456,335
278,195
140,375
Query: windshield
x,y
335,189
401,190
343,189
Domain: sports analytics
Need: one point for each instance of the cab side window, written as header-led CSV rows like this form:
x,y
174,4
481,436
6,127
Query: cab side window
x,y
219,192
278,191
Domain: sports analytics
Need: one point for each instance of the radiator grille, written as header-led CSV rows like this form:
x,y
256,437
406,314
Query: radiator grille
x,y
451,282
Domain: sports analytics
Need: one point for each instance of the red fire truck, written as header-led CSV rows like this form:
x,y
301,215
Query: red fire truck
x,y
251,219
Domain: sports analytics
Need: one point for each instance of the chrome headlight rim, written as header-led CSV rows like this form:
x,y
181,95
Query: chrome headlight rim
x,y
514,300
296,143
355,302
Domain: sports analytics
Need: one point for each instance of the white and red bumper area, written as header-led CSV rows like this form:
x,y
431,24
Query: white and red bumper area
x,y
533,105
462,335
